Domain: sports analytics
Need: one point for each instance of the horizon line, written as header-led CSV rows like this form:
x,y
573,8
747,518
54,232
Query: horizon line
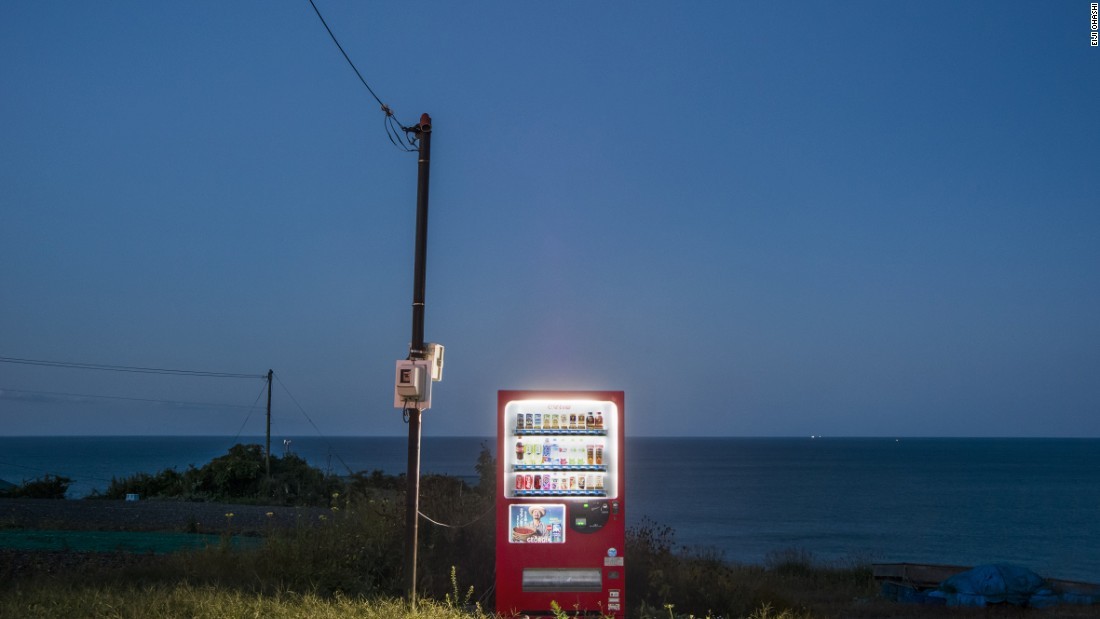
x,y
483,437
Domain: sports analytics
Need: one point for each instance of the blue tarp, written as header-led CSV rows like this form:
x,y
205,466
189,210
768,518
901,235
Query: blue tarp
x,y
996,584
989,584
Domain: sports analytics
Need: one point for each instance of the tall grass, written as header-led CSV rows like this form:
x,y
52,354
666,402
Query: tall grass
x,y
163,601
665,581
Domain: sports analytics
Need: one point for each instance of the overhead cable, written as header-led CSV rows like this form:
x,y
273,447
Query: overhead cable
x,y
332,450
249,415
57,394
456,526
392,126
38,470
126,368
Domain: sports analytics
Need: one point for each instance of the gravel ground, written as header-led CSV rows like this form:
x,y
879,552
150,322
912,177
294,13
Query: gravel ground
x,y
104,515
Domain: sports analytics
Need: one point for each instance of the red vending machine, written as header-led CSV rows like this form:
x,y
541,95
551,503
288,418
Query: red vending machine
x,y
561,523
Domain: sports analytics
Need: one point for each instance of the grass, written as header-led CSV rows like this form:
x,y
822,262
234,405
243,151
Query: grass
x,y
219,583
51,601
163,601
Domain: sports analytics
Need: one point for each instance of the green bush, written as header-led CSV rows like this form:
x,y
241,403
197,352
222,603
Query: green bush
x,y
239,476
356,548
48,487
664,581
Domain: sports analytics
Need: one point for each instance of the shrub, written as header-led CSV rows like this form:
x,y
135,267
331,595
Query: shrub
x,y
460,534
358,547
48,487
238,476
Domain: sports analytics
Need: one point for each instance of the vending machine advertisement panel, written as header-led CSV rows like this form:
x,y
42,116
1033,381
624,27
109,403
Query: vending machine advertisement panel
x,y
561,523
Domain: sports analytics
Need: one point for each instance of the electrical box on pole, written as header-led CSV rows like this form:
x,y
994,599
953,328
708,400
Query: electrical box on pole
x,y
412,383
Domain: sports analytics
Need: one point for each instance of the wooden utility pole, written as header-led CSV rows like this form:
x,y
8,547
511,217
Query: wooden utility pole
x,y
267,445
417,351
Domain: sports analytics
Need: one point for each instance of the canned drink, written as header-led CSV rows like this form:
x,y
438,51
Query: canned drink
x,y
528,421
519,482
572,421
599,454
580,482
591,453
538,421
528,482
546,483
538,482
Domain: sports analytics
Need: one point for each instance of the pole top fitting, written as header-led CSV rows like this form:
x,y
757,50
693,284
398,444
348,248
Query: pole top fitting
x,y
425,123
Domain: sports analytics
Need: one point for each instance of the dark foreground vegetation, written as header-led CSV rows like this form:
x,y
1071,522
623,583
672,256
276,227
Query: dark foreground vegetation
x,y
47,487
345,559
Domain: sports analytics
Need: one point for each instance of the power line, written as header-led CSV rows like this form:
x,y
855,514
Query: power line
x,y
125,368
250,409
332,450
457,526
44,471
390,123
385,108
128,399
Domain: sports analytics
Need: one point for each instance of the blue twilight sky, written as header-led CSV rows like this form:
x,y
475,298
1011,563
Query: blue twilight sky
x,y
855,218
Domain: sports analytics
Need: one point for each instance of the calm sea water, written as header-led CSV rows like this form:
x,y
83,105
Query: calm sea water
x,y
1032,502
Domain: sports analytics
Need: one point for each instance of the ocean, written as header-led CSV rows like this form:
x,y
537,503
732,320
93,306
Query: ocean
x,y
1029,502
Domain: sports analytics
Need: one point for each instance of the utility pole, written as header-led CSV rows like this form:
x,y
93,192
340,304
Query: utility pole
x,y
417,351
267,446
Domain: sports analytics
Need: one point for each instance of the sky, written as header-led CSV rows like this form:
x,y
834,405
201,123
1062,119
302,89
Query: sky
x,y
755,219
